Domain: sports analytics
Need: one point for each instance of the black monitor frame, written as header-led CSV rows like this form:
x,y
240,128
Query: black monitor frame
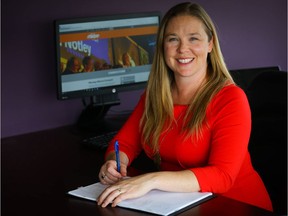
x,y
123,32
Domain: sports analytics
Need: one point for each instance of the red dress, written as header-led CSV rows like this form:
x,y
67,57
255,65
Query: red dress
x,y
220,159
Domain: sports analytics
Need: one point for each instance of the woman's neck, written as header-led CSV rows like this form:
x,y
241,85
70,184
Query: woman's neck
x,y
183,92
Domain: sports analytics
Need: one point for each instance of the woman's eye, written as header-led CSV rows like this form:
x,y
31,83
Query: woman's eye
x,y
193,39
172,39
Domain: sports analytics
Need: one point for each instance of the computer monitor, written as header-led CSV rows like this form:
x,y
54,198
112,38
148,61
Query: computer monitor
x,y
98,57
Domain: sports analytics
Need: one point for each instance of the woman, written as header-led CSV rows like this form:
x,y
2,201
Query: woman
x,y
192,120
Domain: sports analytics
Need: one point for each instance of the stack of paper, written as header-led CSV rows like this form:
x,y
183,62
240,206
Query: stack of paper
x,y
155,201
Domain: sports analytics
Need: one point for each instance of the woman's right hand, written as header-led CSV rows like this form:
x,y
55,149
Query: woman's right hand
x,y
108,173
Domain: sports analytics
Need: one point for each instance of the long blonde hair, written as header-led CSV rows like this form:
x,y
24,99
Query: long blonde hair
x,y
159,103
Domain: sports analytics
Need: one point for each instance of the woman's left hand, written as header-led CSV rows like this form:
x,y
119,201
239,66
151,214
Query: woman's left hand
x,y
127,188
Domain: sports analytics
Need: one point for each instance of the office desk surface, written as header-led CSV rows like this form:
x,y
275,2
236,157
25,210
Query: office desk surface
x,y
38,169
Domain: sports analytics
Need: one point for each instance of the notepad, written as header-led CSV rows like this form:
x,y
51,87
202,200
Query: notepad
x,y
155,202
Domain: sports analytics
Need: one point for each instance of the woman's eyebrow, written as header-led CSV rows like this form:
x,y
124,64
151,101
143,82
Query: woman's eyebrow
x,y
170,34
195,34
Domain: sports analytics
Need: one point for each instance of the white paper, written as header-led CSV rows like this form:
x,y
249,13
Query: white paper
x,y
155,201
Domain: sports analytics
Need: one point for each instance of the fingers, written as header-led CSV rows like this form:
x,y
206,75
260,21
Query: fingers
x,y
107,178
113,194
123,170
126,188
108,173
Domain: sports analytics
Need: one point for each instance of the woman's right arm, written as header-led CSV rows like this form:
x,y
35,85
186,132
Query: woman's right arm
x,y
129,139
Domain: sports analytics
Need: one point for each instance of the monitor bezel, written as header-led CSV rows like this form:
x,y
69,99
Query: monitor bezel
x,y
103,90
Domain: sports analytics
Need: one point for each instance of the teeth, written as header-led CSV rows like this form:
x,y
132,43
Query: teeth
x,y
185,60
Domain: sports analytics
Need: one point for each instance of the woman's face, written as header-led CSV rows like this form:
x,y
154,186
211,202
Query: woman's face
x,y
90,66
186,46
76,65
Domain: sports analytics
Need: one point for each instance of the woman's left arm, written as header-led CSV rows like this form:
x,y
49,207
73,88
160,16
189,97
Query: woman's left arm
x,y
176,181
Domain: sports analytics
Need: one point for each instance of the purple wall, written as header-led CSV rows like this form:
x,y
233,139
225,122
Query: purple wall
x,y
252,34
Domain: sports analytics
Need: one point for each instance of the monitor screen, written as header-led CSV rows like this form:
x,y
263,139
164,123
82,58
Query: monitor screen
x,y
105,55
98,57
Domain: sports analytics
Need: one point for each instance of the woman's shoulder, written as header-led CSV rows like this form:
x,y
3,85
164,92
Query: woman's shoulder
x,y
231,90
230,93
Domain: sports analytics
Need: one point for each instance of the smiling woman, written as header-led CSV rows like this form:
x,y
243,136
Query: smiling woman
x,y
192,120
186,47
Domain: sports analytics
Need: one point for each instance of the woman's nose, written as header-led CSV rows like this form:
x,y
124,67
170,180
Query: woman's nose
x,y
182,47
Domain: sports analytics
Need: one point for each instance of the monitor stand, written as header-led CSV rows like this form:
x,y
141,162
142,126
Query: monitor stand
x,y
92,118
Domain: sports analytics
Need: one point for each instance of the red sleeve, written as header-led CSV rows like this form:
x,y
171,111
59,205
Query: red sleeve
x,y
229,117
129,137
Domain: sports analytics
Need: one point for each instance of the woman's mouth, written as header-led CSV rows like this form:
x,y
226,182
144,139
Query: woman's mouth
x,y
185,60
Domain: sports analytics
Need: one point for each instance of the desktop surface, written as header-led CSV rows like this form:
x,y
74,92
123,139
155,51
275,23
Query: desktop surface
x,y
38,170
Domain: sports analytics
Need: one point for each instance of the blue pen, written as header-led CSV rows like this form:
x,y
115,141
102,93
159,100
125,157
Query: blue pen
x,y
116,148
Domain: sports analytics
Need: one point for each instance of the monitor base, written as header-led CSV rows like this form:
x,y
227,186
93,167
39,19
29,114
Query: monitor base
x,y
92,118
